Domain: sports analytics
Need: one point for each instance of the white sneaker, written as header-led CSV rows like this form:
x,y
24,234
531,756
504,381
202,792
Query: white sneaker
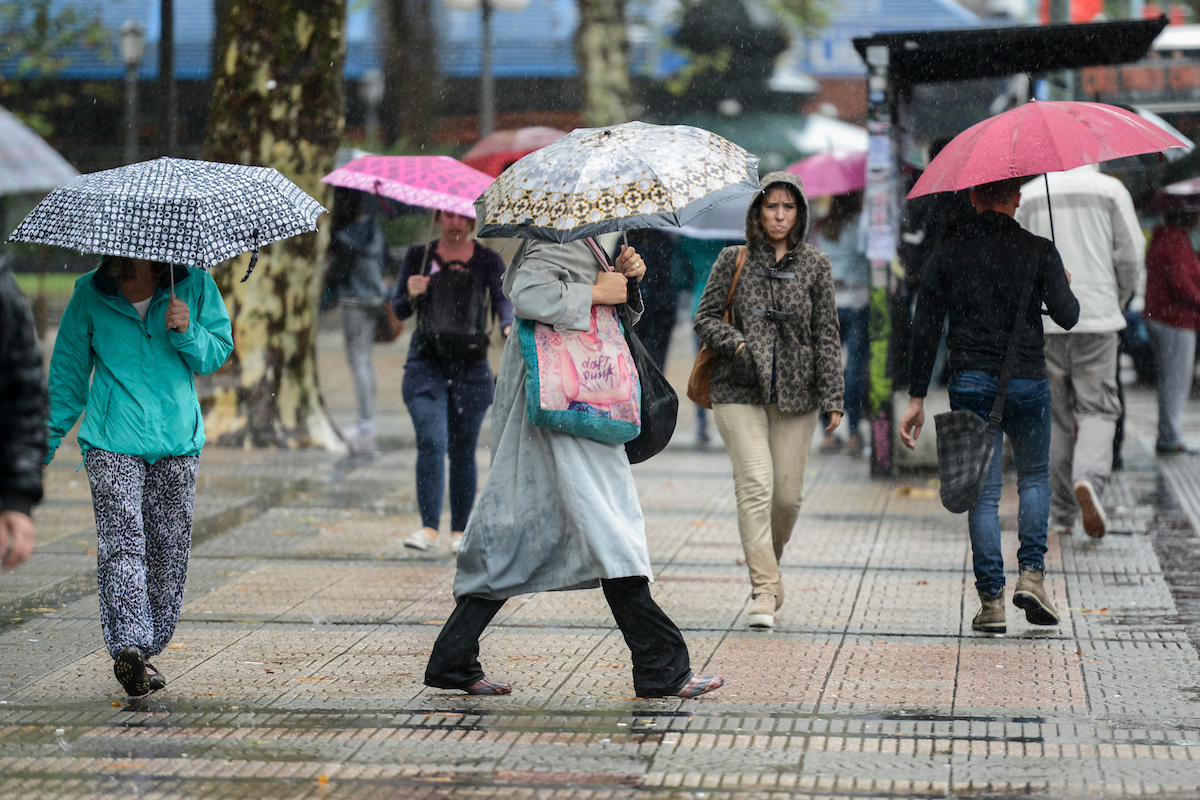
x,y
418,540
1095,521
455,542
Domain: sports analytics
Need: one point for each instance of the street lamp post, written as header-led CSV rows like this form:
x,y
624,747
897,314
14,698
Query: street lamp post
x,y
133,47
371,90
487,85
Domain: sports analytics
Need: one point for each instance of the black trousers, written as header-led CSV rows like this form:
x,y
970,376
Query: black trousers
x,y
661,664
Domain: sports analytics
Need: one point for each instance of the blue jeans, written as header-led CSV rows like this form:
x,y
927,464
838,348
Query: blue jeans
x,y
448,422
855,325
1027,423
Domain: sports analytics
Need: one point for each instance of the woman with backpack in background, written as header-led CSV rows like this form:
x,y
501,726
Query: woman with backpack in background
x,y
454,289
357,255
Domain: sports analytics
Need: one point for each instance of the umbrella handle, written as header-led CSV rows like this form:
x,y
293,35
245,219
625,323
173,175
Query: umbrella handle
x,y
171,271
253,257
1049,210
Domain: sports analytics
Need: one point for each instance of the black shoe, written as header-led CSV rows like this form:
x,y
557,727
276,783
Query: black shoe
x,y
1179,448
155,679
130,668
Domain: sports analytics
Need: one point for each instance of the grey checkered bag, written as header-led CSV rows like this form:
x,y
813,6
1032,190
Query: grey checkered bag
x,y
965,440
965,443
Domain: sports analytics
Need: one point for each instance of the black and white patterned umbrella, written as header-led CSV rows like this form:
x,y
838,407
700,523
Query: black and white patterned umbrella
x,y
173,210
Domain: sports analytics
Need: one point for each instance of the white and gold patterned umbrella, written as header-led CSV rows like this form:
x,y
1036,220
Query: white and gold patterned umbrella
x,y
625,177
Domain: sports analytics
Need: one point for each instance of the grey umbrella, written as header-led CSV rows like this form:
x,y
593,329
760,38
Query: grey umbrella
x,y
173,210
27,163
624,177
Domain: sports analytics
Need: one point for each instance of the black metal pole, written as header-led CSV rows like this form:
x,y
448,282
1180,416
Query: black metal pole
x,y
166,76
131,109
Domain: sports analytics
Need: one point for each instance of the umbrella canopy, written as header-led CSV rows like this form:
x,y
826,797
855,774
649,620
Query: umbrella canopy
x,y
173,210
780,139
827,174
1040,137
437,182
27,163
725,222
599,180
495,152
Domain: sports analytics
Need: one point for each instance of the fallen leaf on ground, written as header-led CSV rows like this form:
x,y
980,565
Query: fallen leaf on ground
x,y
915,492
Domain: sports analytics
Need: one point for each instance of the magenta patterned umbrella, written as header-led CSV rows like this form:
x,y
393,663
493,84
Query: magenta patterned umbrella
x,y
437,182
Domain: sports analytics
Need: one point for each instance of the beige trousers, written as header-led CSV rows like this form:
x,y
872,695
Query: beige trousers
x,y
769,451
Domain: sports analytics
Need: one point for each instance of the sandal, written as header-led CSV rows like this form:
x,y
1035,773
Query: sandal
x,y
129,666
483,686
700,684
155,679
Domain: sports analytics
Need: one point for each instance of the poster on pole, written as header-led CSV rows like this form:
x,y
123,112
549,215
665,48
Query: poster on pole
x,y
880,199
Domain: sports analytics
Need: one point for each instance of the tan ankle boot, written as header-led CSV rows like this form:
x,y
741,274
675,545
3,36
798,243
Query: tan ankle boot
x,y
762,611
1030,595
990,618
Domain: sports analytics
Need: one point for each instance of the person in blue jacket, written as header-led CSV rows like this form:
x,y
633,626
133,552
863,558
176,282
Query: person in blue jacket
x,y
127,351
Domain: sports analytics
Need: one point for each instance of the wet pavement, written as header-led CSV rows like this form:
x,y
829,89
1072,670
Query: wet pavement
x,y
295,671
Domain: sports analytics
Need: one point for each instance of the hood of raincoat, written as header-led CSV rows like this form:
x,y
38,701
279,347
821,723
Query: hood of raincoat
x,y
131,378
772,179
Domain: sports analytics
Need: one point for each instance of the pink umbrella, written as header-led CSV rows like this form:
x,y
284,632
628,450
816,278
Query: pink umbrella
x,y
495,152
437,182
832,173
1040,137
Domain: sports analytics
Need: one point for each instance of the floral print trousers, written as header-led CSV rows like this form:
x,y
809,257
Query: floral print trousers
x,y
144,532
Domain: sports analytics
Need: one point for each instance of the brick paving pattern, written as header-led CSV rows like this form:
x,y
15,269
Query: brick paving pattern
x,y
296,669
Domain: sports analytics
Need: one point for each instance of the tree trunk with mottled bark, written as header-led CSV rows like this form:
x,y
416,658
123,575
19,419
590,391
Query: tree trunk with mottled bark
x,y
277,102
410,71
602,52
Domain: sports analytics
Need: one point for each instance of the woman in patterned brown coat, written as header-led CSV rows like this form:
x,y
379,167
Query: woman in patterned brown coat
x,y
779,366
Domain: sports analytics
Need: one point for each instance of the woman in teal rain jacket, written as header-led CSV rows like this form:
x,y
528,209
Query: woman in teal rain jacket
x,y
127,350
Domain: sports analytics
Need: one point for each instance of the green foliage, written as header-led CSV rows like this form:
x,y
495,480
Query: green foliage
x,y
698,64
810,16
35,41
879,393
722,57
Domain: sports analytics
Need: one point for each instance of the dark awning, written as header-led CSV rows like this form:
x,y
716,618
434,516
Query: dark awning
x,y
951,55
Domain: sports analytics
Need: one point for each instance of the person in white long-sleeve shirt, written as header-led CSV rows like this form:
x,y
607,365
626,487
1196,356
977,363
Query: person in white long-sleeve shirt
x,y
1097,233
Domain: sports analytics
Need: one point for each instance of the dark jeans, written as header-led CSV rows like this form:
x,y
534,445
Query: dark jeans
x,y
1027,423
855,328
448,424
661,665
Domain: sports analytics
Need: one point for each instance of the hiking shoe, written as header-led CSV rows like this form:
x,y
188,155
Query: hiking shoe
x,y
1095,521
1030,595
419,540
762,611
129,666
990,618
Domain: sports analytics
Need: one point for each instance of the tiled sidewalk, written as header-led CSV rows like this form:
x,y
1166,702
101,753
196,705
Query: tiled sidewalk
x,y
296,668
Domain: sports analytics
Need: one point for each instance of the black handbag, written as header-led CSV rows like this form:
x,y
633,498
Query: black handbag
x,y
660,404
965,440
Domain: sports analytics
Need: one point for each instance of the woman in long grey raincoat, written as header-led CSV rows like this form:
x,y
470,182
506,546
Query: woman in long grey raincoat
x,y
558,511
